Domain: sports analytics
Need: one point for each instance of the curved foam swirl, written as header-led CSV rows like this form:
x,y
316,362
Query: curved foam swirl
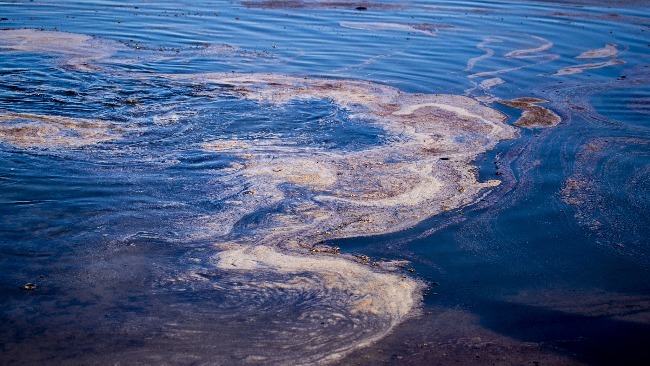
x,y
527,53
335,274
285,200
314,309
404,180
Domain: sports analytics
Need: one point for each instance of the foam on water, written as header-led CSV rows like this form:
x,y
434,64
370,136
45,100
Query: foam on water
x,y
277,289
77,51
424,28
609,50
283,200
521,54
31,130
577,69
421,170
406,171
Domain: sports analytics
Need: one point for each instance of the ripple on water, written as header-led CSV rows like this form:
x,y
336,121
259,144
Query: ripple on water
x,y
610,176
283,199
287,199
77,51
280,292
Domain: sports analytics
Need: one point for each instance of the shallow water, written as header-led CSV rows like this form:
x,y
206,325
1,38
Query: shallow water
x,y
177,179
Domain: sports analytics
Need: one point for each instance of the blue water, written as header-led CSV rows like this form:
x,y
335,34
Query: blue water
x,y
100,228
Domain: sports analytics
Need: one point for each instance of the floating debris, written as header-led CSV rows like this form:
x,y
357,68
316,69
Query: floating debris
x,y
28,287
533,115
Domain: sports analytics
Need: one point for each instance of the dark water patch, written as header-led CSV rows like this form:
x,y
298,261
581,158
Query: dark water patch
x,y
598,340
640,105
611,174
544,249
310,123
626,104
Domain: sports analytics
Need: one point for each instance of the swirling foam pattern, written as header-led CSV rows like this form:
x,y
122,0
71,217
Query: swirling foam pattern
x,y
286,199
313,195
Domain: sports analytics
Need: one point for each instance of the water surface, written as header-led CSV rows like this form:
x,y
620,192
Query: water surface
x,y
138,165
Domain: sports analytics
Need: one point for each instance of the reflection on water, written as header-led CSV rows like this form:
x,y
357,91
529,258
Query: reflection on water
x,y
289,182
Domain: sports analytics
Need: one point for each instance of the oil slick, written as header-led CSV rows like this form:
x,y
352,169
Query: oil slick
x,y
490,83
84,53
403,181
283,201
598,185
405,173
357,294
489,52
